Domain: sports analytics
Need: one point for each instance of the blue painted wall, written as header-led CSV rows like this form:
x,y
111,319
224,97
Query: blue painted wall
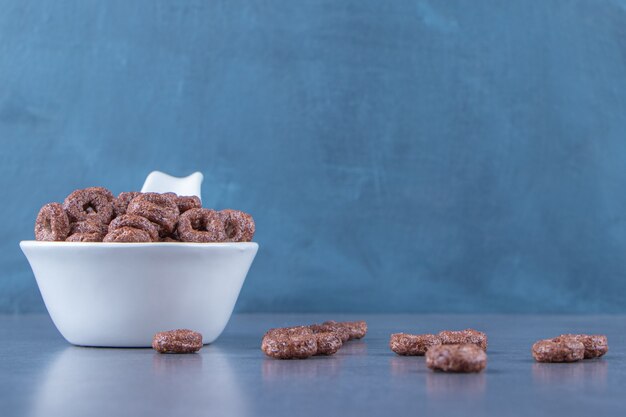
x,y
447,156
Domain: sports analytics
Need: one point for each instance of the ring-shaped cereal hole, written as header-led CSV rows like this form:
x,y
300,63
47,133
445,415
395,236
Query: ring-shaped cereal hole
x,y
136,222
127,235
85,237
188,202
123,199
93,203
201,225
160,209
238,226
52,223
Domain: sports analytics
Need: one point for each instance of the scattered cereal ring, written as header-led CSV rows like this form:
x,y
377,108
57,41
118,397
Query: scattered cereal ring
x,y
357,329
177,341
456,358
284,346
123,199
238,226
93,203
127,235
188,202
52,223
328,343
201,225
596,345
561,350
412,344
472,336
84,237
160,209
333,327
136,222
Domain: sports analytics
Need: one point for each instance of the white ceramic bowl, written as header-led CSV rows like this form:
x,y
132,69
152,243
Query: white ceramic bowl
x,y
120,294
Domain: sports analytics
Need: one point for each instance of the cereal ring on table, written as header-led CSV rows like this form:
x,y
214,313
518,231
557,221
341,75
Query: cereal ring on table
x,y
449,337
328,343
93,203
188,202
558,350
200,225
123,199
177,341
52,223
412,344
456,358
127,235
333,327
85,237
136,222
160,209
596,345
285,346
357,329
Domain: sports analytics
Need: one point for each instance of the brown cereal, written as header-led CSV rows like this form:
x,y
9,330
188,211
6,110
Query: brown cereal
x,y
596,345
188,202
412,344
93,203
136,222
281,345
472,336
177,341
558,350
332,326
85,237
89,226
456,358
123,199
127,235
357,329
201,225
328,343
238,226
52,223
160,209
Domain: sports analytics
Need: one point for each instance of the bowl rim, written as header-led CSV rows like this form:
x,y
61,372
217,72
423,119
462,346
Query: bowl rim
x,y
126,245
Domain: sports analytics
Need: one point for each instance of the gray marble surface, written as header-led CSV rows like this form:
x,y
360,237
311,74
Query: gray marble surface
x,y
42,375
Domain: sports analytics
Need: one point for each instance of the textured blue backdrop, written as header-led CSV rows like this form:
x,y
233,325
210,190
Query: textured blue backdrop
x,y
397,155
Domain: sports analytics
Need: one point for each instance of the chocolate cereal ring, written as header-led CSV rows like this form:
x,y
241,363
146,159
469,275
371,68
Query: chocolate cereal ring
x,y
412,344
285,346
328,343
89,226
136,222
93,203
85,237
187,202
121,202
52,223
596,345
238,226
357,329
177,341
127,235
200,225
472,336
558,350
333,327
160,209
456,358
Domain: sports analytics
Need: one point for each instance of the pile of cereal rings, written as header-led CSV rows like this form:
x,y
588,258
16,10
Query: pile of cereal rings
x,y
94,214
